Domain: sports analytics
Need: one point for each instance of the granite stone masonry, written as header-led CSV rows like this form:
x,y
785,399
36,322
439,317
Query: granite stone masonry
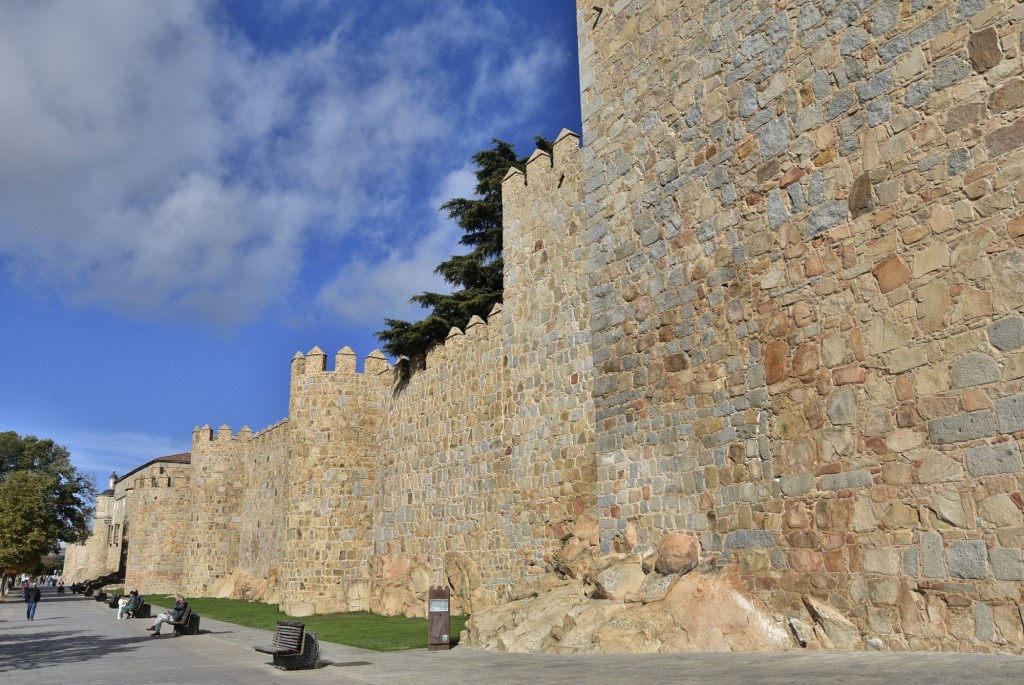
x,y
775,302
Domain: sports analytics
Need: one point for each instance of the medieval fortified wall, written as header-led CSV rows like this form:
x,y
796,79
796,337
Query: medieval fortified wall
x,y
776,302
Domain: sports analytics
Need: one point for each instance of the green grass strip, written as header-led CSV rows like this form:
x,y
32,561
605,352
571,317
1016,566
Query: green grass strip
x,y
355,629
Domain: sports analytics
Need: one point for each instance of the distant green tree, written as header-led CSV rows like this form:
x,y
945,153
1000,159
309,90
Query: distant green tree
x,y
44,500
477,275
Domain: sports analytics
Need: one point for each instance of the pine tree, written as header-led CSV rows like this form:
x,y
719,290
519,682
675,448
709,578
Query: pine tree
x,y
477,275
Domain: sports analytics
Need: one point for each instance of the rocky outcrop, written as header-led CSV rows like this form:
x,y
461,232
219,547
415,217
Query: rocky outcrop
x,y
700,612
665,602
241,585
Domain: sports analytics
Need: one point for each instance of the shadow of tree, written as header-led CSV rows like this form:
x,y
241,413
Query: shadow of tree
x,y
65,647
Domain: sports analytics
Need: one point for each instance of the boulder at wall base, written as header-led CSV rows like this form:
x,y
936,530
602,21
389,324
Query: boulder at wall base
x,y
699,613
619,581
463,575
677,553
841,633
525,624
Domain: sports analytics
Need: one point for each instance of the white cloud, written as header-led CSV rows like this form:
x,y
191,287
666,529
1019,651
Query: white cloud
x,y
367,291
157,164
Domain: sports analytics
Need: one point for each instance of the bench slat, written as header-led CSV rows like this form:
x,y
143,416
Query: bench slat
x,y
289,639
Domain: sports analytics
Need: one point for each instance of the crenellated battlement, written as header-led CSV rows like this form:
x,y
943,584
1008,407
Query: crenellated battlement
x,y
460,342
315,361
545,174
205,434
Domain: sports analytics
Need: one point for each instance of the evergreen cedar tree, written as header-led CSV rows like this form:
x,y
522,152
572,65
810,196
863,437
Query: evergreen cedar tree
x,y
44,500
477,276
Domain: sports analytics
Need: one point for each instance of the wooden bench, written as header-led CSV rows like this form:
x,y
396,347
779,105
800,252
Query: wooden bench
x,y
293,647
142,612
188,624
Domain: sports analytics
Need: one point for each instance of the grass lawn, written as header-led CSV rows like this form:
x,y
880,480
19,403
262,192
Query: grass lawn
x,y
356,629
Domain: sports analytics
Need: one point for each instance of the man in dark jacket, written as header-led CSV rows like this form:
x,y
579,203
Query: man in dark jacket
x,y
32,596
172,616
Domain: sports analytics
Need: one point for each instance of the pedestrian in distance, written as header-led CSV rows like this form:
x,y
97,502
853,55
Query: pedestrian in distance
x,y
32,596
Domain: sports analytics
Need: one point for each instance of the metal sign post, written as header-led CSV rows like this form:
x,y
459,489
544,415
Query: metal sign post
x,y
439,618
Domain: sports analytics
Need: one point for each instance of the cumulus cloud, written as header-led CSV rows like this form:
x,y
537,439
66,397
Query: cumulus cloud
x,y
159,164
363,289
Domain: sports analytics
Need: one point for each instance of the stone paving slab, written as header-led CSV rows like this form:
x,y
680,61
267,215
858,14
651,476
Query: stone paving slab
x,y
77,641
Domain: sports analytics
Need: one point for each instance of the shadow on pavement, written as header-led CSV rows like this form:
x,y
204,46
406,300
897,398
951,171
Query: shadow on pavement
x,y
33,651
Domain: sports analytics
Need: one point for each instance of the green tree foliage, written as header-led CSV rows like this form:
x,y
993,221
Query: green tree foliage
x,y
44,500
477,275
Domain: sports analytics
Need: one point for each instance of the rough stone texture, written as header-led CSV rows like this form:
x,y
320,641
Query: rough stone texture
x,y
983,49
619,581
841,632
677,553
975,368
967,559
891,274
1010,411
962,427
682,310
699,613
1007,334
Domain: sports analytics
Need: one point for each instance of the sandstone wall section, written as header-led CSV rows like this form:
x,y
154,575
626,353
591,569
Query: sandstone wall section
x,y
806,299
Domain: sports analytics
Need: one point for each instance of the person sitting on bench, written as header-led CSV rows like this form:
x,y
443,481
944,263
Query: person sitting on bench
x,y
172,616
133,604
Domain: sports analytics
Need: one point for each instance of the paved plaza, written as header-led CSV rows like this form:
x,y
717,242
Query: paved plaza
x,y
76,640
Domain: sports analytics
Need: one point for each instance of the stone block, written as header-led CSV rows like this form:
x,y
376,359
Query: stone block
x,y
984,626
948,508
883,591
989,460
911,564
938,468
1007,334
891,273
844,481
742,539
906,358
1007,97
949,71
1006,564
796,484
1010,411
975,368
983,49
962,427
965,115
899,516
1005,139
885,334
932,555
967,559
826,216
1000,510
842,407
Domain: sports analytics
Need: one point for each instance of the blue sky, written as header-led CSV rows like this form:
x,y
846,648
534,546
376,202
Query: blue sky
x,y
191,192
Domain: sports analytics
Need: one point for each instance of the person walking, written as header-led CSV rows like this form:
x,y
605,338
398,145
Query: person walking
x,y
32,596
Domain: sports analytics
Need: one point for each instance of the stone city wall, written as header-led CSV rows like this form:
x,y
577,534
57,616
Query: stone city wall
x,y
235,536
157,513
332,418
806,299
775,303
546,344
